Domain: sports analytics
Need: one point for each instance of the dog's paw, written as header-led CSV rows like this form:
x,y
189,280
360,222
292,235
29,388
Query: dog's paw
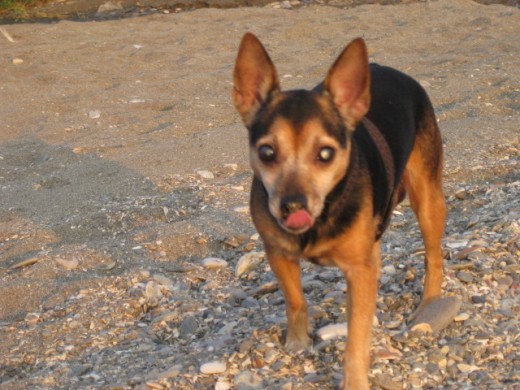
x,y
298,343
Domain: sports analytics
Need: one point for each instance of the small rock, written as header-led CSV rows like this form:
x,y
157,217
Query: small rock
x,y
188,327
478,299
465,252
166,316
214,263
152,292
385,382
505,281
248,262
223,384
422,327
154,385
32,318
266,288
389,270
465,277
25,263
461,317
457,244
241,209
215,367
163,280
466,367
17,61
246,380
109,6
206,174
68,264
94,114
461,194
333,331
438,314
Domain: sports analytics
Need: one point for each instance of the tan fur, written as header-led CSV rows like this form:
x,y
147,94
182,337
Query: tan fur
x,y
297,163
354,247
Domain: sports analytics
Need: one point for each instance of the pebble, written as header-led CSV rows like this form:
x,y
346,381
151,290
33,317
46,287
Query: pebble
x,y
461,317
241,209
461,194
505,281
205,174
465,277
17,61
389,269
163,280
223,384
385,381
457,244
152,292
246,380
249,262
188,327
32,318
214,263
109,6
215,367
25,263
333,331
94,114
68,264
478,299
437,315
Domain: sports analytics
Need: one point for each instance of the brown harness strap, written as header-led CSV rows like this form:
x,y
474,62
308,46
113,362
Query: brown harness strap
x,y
388,162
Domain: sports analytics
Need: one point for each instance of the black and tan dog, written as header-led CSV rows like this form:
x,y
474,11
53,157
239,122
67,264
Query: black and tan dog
x,y
329,167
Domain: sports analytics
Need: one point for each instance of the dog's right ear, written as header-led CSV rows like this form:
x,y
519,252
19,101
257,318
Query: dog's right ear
x,y
254,78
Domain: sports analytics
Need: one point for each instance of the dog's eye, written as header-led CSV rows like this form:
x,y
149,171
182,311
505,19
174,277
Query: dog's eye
x,y
326,154
266,153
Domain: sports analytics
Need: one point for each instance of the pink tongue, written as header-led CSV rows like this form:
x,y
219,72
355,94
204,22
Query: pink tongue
x,y
298,220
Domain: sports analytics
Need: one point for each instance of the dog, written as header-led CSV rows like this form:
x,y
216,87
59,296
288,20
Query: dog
x,y
330,164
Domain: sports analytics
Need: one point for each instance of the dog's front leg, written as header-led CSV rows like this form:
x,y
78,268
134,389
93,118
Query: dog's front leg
x,y
288,273
362,278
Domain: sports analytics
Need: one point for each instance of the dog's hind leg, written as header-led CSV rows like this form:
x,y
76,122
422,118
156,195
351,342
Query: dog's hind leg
x,y
423,182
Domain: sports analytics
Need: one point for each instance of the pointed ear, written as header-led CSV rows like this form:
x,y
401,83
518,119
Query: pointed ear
x,y
348,82
254,78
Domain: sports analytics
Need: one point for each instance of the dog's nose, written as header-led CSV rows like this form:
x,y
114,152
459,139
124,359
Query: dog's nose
x,y
293,203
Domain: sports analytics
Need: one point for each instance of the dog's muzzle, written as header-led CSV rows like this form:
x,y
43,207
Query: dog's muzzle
x,y
296,218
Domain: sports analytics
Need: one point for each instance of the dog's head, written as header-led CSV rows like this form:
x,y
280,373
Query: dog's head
x,y
300,140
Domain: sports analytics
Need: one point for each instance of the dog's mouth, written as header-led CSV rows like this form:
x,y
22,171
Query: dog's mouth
x,y
298,221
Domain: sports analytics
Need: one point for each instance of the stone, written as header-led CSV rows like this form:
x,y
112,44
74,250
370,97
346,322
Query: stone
x,y
109,6
465,277
214,263
438,314
215,367
246,380
69,265
205,174
333,331
188,327
249,262
94,114
152,292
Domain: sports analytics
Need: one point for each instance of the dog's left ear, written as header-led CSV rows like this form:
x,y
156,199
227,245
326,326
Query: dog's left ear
x,y
254,78
348,82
